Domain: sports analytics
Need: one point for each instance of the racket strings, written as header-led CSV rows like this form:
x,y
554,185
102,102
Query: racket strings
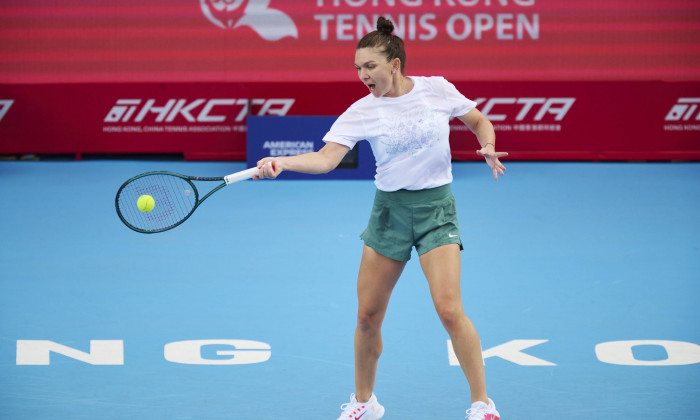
x,y
174,201
166,206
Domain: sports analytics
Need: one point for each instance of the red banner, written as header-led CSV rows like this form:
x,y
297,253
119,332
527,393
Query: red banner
x,y
533,120
48,41
560,79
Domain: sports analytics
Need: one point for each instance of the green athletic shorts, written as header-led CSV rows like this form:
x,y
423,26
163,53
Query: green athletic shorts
x,y
403,219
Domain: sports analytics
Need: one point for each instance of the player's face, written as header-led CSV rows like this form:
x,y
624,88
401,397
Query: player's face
x,y
375,71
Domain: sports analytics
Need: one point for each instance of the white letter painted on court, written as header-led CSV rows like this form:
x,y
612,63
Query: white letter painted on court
x,y
512,352
620,353
190,352
38,352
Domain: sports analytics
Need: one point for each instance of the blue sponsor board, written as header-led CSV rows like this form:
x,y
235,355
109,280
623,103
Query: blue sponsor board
x,y
294,135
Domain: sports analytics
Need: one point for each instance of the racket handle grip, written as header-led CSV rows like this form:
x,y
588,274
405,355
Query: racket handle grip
x,y
240,176
243,175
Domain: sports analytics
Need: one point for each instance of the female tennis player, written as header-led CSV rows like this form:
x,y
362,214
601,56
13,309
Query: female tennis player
x,y
405,119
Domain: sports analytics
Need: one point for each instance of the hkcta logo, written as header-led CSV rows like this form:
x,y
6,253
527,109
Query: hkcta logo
x,y
684,109
270,24
5,105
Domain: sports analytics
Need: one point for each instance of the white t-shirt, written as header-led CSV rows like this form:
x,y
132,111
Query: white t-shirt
x,y
409,134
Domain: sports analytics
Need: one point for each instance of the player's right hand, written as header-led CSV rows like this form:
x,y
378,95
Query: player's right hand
x,y
269,168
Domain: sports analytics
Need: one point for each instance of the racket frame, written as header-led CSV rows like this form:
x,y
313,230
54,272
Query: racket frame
x,y
226,180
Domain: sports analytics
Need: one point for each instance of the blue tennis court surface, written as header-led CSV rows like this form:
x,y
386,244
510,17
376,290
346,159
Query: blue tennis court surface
x,y
583,280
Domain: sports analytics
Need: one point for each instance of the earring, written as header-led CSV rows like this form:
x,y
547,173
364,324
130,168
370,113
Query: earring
x,y
393,72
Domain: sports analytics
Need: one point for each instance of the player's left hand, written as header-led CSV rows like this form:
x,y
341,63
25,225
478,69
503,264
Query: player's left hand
x,y
491,156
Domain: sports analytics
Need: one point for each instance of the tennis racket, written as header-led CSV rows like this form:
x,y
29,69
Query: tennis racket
x,y
173,198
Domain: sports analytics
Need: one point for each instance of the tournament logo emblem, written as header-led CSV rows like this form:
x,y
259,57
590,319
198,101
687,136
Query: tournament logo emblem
x,y
270,24
5,105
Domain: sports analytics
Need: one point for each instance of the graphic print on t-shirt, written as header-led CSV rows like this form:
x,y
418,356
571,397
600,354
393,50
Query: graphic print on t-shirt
x,y
413,130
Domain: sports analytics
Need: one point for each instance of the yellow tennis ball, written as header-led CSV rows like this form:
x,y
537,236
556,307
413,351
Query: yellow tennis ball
x,y
146,203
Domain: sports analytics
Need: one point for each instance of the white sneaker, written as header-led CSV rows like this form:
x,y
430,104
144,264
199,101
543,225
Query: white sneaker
x,y
481,411
370,410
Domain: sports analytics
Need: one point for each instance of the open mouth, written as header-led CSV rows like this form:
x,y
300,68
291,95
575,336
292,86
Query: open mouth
x,y
371,87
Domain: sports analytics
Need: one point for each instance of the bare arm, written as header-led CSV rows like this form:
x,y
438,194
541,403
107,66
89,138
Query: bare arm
x,y
324,160
480,126
483,130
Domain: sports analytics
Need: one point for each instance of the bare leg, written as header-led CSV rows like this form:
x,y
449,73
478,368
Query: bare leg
x,y
376,280
442,268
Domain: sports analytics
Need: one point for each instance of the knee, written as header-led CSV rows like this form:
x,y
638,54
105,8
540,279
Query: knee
x,y
451,316
369,322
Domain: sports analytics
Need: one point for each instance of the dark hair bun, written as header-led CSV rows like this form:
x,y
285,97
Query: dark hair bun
x,y
385,26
